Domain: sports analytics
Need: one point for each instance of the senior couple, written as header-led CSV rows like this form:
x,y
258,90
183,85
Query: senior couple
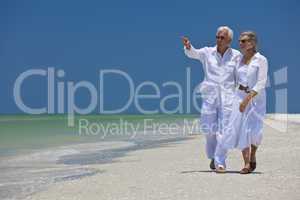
x,y
233,97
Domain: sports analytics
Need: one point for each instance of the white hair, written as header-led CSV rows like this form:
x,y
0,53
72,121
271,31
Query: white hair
x,y
229,31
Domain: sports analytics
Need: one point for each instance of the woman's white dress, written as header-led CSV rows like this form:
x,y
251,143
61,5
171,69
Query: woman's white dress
x,y
246,128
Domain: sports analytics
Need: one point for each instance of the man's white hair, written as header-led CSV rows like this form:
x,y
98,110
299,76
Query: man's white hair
x,y
229,31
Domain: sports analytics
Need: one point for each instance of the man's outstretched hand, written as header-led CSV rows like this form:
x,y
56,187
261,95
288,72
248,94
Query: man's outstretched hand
x,y
186,42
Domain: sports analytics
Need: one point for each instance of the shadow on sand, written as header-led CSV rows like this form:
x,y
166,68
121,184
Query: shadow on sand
x,y
212,171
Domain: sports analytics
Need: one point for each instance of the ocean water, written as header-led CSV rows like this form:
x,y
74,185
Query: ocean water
x,y
36,151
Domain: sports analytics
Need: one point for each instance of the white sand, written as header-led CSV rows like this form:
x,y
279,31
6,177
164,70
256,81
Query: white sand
x,y
179,170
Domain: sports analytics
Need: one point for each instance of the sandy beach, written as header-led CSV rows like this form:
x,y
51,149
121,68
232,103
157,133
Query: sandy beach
x,y
178,169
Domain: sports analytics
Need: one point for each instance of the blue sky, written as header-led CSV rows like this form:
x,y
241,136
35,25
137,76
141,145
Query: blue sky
x,y
141,38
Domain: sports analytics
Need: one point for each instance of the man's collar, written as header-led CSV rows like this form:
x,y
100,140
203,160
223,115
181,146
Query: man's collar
x,y
215,50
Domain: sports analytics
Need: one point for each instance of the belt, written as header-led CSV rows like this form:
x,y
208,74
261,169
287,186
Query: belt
x,y
245,89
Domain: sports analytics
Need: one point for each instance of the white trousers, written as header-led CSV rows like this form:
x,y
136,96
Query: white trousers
x,y
214,150
214,120
211,144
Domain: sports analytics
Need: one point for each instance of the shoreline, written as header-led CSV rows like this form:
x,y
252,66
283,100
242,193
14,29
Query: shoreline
x,y
179,170
157,168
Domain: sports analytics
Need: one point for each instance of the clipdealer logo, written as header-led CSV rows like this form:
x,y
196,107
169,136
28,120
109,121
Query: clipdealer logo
x,y
56,87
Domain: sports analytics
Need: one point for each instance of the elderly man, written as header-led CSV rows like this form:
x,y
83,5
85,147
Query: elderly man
x,y
217,91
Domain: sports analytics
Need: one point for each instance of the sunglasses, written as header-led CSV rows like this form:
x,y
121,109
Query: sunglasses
x,y
243,41
220,37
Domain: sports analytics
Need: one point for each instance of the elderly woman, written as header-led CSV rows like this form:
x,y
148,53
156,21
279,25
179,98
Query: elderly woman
x,y
249,108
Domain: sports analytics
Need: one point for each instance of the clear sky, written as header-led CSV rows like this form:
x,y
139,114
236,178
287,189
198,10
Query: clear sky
x,y
141,38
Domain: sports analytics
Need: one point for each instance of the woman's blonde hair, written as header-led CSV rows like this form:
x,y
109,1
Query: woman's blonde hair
x,y
252,37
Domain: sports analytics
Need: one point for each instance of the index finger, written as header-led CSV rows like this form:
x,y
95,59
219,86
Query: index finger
x,y
184,38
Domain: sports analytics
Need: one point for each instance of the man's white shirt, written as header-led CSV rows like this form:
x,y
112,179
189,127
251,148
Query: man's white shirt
x,y
219,71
